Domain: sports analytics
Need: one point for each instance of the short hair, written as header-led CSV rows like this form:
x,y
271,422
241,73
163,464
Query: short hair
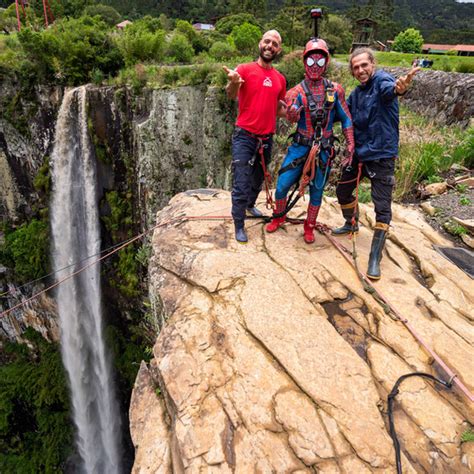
x,y
273,32
358,52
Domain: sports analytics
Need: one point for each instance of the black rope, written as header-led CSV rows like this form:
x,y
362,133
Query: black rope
x,y
391,399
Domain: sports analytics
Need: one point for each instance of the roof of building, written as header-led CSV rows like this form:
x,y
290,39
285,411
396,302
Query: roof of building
x,y
123,24
449,47
203,26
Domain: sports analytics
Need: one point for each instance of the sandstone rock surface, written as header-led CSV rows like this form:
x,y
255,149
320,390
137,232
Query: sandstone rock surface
x,y
274,358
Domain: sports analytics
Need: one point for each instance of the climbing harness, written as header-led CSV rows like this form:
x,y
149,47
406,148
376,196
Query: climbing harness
x,y
391,400
319,116
267,178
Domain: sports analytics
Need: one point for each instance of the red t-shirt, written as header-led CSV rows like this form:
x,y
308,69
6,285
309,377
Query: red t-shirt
x,y
258,98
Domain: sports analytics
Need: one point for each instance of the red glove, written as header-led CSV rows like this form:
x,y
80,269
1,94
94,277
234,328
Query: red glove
x,y
350,147
293,113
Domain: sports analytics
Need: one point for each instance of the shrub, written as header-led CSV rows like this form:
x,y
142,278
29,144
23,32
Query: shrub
x,y
139,43
228,23
35,426
465,67
70,50
26,250
180,49
408,41
106,13
291,66
246,38
222,50
198,41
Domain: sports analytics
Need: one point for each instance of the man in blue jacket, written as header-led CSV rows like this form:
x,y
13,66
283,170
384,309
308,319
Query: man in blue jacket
x,y
374,109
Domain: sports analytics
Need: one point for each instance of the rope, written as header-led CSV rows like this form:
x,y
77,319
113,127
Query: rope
x,y
85,267
322,228
267,178
391,400
393,313
309,169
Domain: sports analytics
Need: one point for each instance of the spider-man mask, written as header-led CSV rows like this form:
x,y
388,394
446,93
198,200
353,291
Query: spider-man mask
x,y
315,65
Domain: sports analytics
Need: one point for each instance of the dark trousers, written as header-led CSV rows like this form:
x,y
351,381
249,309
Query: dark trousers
x,y
382,180
247,171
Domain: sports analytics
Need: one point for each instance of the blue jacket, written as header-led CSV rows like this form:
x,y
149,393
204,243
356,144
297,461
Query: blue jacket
x,y
374,109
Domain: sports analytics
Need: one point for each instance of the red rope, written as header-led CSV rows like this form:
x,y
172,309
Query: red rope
x,y
322,228
267,178
309,169
346,254
85,267
354,213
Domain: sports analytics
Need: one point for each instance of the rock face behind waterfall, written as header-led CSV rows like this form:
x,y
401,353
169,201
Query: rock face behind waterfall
x,y
275,359
147,147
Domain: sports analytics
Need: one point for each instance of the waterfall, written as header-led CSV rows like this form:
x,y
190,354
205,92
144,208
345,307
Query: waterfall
x,y
76,236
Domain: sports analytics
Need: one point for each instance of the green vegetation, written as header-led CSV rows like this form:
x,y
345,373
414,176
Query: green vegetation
x,y
454,228
26,250
467,436
35,428
245,37
85,46
142,41
446,63
408,41
119,223
423,159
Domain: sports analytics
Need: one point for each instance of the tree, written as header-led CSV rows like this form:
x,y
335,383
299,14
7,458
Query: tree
x,y
336,30
180,49
408,41
35,426
226,25
255,7
246,38
106,13
70,50
142,41
293,24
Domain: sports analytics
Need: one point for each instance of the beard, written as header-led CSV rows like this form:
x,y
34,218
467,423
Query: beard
x,y
267,59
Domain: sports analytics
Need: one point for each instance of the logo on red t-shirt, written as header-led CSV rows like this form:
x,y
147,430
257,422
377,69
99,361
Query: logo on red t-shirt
x,y
267,82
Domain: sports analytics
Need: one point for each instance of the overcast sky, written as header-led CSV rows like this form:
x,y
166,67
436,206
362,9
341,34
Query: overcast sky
x,y
465,1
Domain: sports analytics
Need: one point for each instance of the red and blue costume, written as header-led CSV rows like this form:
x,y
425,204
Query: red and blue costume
x,y
299,110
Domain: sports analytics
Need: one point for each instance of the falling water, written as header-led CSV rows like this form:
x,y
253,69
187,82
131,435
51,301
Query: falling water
x,y
76,236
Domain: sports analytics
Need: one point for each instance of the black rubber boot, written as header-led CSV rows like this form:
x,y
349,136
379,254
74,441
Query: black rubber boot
x,y
378,242
254,212
241,235
348,212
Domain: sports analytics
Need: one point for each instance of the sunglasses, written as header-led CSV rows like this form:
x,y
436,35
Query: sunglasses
x,y
320,62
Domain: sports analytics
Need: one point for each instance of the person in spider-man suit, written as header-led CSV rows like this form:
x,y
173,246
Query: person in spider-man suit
x,y
331,106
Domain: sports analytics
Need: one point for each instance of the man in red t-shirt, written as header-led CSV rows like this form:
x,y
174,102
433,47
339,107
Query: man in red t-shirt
x,y
260,90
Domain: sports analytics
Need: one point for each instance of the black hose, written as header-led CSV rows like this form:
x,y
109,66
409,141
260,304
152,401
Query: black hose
x,y
391,399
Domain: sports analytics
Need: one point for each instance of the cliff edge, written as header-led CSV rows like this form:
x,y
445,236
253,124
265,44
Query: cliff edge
x,y
273,357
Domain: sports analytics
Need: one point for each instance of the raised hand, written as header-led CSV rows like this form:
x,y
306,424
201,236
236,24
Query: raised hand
x,y
293,112
403,82
233,76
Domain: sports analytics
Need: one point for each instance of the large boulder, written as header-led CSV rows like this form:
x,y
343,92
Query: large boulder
x,y
274,358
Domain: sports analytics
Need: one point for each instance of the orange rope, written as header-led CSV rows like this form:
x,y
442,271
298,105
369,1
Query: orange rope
x,y
267,178
309,169
85,267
